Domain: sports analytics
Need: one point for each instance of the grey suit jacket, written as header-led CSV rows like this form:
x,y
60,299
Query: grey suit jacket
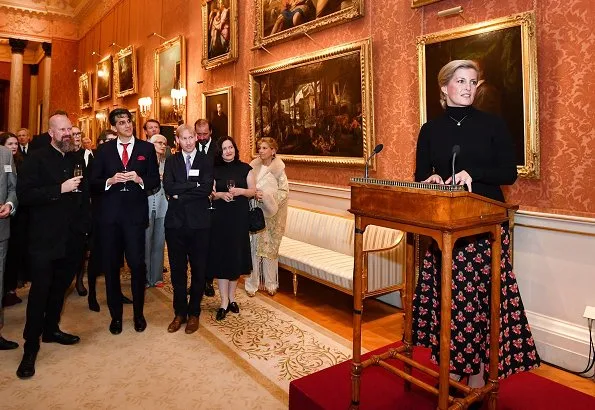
x,y
8,185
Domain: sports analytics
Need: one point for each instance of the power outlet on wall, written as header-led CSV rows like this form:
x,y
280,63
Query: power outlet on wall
x,y
589,312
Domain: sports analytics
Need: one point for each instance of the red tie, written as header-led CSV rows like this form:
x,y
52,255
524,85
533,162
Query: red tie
x,y
125,154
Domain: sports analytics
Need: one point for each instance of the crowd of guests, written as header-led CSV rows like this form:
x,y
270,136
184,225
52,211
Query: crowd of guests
x,y
121,203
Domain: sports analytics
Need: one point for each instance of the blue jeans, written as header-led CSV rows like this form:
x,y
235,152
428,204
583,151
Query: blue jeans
x,y
154,246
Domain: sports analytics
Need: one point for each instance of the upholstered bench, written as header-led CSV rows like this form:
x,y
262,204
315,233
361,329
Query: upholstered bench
x,y
319,246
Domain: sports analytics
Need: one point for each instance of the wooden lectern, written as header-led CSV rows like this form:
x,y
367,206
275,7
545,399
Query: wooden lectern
x,y
444,213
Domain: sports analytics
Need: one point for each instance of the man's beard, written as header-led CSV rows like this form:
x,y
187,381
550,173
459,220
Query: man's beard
x,y
64,145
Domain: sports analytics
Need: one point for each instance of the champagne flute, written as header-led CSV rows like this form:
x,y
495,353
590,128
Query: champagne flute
x,y
78,172
231,184
211,207
125,187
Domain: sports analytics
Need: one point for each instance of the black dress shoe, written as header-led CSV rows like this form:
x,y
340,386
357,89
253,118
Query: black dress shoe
x,y
126,301
27,367
60,337
209,289
233,306
11,299
140,324
115,327
221,314
93,305
7,344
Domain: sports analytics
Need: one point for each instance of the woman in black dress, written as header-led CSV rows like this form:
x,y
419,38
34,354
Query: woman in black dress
x,y
486,161
229,252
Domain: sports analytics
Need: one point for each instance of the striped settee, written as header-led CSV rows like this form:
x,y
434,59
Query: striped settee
x,y
319,246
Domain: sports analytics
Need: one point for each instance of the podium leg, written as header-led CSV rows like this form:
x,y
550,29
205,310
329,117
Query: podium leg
x,y
408,302
496,249
356,367
445,315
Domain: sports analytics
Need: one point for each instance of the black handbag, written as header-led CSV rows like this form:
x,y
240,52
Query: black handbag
x,y
255,218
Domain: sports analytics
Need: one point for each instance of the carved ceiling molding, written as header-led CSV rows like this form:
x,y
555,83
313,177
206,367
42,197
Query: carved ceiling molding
x,y
36,27
44,7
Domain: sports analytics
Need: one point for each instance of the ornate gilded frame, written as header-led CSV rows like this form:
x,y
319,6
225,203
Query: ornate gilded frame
x,y
84,124
100,121
526,69
170,72
224,58
104,64
85,79
420,3
354,11
211,98
365,120
131,84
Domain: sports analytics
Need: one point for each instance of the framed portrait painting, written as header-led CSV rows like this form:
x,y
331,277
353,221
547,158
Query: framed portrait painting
x,y
505,51
219,32
103,78
318,107
85,91
125,78
170,72
136,124
280,20
217,108
84,124
101,121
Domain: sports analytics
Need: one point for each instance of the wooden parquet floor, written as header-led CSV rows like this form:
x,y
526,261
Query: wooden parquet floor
x,y
382,323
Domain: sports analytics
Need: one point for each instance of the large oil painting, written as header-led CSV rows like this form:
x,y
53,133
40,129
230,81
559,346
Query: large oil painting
x,y
103,78
506,53
125,78
280,20
85,91
217,108
170,72
317,107
219,32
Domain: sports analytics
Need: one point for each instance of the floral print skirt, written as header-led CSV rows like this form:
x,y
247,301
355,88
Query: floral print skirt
x,y
470,321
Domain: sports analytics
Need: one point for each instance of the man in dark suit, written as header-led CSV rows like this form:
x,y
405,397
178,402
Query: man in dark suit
x,y
58,204
188,180
24,138
204,132
123,171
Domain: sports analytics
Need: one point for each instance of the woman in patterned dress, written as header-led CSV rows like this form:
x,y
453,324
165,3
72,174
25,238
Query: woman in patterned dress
x,y
486,161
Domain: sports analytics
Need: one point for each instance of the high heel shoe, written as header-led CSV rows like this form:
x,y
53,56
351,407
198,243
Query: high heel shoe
x,y
221,314
80,289
233,306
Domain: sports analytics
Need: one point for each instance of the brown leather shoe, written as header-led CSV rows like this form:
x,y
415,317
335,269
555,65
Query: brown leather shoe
x,y
176,324
192,325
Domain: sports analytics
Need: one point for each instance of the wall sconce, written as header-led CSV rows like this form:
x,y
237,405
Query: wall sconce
x,y
451,12
144,105
117,45
178,97
95,53
100,116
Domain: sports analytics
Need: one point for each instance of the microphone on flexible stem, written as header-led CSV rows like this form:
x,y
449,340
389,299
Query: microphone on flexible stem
x,y
455,151
377,149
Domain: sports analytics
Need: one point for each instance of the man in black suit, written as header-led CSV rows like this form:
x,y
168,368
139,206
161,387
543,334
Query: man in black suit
x,y
123,171
58,204
188,180
24,138
204,132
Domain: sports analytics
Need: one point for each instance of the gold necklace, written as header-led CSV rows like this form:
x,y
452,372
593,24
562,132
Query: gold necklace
x,y
459,122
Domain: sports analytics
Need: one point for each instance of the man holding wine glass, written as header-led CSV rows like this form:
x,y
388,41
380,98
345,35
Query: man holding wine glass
x,y
124,170
59,219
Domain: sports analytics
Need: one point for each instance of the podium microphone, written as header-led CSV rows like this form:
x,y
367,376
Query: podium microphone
x,y
377,149
456,150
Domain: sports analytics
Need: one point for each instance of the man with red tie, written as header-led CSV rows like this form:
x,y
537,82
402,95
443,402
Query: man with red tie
x,y
124,170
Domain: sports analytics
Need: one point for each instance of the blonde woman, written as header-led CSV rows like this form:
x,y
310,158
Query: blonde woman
x,y
271,193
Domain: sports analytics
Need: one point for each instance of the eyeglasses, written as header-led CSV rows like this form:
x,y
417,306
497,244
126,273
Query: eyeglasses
x,y
77,133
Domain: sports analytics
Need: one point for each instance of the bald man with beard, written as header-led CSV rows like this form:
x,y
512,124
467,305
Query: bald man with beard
x,y
58,222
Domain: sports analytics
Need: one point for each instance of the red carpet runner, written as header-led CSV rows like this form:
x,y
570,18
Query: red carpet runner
x,y
331,389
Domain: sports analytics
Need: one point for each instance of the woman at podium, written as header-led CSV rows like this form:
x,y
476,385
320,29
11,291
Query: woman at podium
x,y
484,160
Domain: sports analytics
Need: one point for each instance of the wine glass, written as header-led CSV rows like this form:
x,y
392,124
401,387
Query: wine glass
x,y
124,188
231,184
211,207
78,172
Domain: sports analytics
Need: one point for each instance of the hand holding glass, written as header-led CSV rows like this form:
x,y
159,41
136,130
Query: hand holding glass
x,y
78,172
231,184
124,188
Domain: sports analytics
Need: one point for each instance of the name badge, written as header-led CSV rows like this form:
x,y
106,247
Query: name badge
x,y
193,172
7,168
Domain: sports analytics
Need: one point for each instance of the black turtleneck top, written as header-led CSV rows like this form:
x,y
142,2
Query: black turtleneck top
x,y
487,152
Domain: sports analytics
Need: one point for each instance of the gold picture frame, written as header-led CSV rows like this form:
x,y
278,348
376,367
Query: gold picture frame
x,y
170,72
506,51
136,123
327,13
85,91
219,20
319,107
101,122
125,76
84,124
420,3
103,78
217,107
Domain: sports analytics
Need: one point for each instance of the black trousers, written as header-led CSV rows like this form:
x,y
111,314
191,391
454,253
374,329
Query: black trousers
x,y
121,240
50,278
187,245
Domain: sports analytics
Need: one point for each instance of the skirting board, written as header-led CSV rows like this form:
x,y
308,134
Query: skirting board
x,y
553,261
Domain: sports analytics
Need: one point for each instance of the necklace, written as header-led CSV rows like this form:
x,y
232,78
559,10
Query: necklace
x,y
459,121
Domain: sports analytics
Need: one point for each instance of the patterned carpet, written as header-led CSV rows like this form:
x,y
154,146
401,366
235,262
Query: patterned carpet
x,y
245,361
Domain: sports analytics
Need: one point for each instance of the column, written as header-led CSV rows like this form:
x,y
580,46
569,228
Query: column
x,y
47,71
33,100
15,99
